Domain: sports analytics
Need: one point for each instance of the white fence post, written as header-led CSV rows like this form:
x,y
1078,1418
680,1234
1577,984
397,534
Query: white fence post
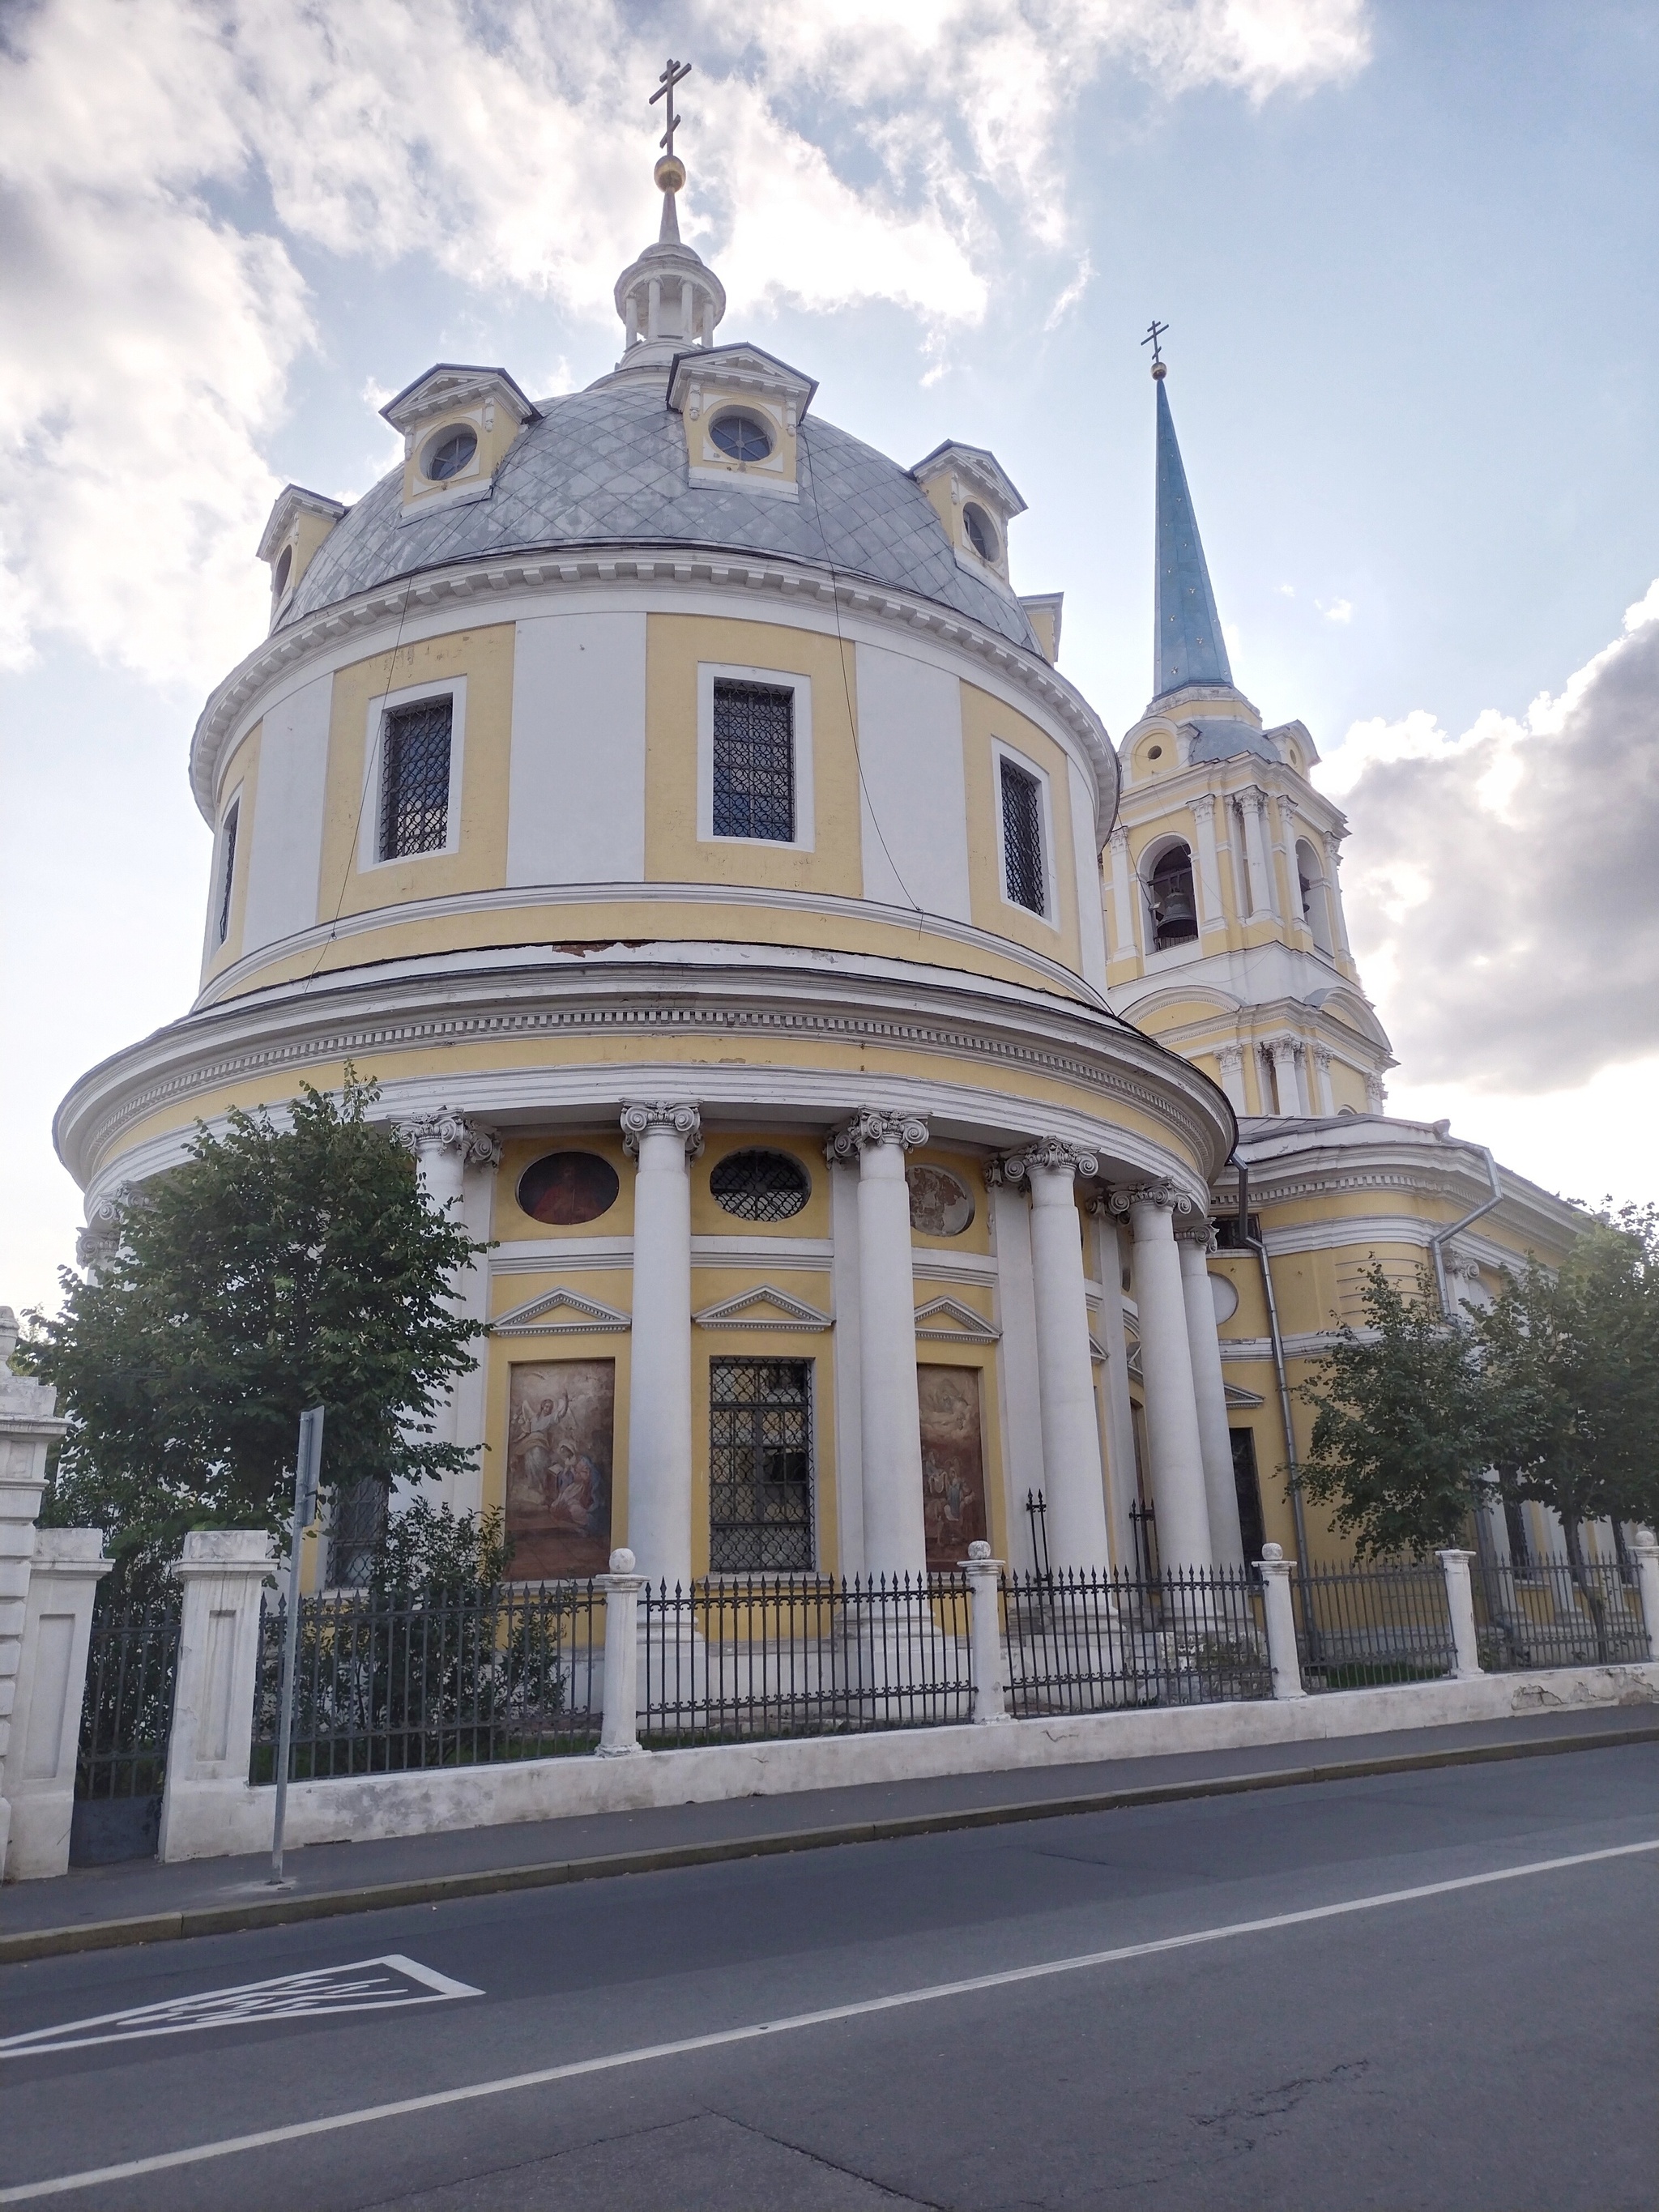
x,y
52,1688
1281,1622
985,1631
28,1425
619,1729
1460,1602
1647,1576
223,1571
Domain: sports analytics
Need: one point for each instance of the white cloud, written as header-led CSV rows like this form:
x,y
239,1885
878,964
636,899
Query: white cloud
x,y
1508,874
1337,611
148,339
1073,293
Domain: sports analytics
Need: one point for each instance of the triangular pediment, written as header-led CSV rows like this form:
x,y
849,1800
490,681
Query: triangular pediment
x,y
1239,1396
947,1320
559,1313
763,1307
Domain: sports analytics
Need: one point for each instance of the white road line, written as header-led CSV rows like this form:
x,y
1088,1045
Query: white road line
x,y
296,2131
366,1985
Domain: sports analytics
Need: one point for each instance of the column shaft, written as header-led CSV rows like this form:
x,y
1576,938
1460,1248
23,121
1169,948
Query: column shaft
x,y
1173,1442
1071,1423
660,1349
1210,1395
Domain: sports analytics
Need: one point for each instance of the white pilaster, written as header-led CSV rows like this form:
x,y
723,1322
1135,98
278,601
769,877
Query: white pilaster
x,y
1459,1604
1283,821
52,1681
1174,1443
1212,913
1282,1655
663,1137
1281,1051
1076,1490
1332,844
895,1538
1324,1097
985,1631
1124,943
1193,1240
1263,899
1230,1059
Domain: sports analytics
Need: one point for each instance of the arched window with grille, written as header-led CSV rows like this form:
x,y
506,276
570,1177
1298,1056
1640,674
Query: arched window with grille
x,y
1171,900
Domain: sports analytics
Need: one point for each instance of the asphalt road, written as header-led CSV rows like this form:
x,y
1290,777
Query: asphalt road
x,y
1491,2044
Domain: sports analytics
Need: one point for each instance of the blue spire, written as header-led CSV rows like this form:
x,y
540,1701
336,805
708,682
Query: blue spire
x,y
1186,642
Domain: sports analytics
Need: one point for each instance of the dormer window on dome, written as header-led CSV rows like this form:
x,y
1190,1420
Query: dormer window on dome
x,y
741,409
298,523
975,501
458,423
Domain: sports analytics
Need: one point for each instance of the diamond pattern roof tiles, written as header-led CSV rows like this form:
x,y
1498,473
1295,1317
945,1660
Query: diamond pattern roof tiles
x,y
608,467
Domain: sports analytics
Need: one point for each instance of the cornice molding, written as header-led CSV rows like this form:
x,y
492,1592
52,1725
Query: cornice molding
x,y
467,583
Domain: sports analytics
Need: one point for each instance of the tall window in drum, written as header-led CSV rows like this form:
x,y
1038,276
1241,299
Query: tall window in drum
x,y
415,749
754,762
1022,840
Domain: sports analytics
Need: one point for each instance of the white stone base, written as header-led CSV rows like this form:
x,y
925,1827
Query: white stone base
x,y
214,1819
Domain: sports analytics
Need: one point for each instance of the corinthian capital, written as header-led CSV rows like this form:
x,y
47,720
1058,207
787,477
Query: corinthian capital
x,y
1050,1152
678,1115
447,1131
1168,1197
875,1125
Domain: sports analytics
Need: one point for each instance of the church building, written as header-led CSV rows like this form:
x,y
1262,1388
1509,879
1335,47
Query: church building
x,y
900,1115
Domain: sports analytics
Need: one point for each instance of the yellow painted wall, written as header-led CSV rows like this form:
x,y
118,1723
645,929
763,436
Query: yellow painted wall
x,y
238,780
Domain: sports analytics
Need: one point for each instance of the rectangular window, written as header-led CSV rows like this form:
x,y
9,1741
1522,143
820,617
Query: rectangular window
x,y
228,871
1514,1522
754,762
415,744
760,1466
1021,839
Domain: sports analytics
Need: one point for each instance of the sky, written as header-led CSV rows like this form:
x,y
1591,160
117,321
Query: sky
x,y
1405,253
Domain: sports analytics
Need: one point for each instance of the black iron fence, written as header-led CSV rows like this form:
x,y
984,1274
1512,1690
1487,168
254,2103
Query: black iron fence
x,y
126,1720
384,1682
1359,1626
1554,1613
1079,1641
748,1655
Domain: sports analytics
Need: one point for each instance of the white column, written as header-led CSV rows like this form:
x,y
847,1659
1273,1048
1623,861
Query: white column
x,y
1281,1051
51,1681
1121,1490
223,1571
1262,898
895,1538
1376,1093
663,1137
1172,1441
1333,893
1460,1603
1018,1402
1231,1058
1125,945
985,1631
1076,1490
28,1427
1283,818
619,1725
1193,1240
1281,1622
844,1284
1212,913
445,1145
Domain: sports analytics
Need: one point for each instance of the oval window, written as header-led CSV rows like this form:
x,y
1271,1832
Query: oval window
x,y
941,1204
759,1186
982,530
567,1188
741,436
448,454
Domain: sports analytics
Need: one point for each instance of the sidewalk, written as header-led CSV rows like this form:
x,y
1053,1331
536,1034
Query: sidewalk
x,y
93,1908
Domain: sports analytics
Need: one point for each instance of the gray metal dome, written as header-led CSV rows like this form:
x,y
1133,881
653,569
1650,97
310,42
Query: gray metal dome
x,y
607,467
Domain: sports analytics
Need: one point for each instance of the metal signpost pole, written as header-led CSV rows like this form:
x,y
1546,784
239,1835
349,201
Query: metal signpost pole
x,y
310,1460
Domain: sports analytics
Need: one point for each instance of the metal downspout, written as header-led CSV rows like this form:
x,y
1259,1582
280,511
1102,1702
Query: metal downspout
x,y
1439,1242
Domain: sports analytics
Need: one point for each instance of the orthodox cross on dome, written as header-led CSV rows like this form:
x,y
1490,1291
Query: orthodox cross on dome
x,y
670,76
1155,330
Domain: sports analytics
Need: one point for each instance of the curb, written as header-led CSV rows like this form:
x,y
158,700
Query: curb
x,y
437,1889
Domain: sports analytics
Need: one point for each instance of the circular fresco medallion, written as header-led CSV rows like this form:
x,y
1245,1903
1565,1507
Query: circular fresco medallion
x,y
567,1188
940,1203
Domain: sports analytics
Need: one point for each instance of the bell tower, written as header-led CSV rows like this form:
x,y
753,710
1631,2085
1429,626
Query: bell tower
x,y
1223,905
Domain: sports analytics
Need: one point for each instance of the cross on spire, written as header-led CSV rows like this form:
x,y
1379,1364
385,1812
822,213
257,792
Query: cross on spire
x,y
670,76
1155,330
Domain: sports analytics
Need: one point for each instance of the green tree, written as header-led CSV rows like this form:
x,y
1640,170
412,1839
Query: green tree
x,y
1570,1361
1400,1451
277,1268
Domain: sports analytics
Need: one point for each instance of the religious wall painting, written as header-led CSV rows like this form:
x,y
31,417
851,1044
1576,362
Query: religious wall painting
x,y
952,1463
561,1425
941,1204
567,1188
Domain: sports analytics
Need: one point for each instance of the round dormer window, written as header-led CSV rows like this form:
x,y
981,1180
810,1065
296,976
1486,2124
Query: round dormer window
x,y
284,568
1154,752
449,452
982,530
741,436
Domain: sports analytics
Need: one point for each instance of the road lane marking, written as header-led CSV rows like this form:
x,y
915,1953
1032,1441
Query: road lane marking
x,y
365,1985
435,2100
